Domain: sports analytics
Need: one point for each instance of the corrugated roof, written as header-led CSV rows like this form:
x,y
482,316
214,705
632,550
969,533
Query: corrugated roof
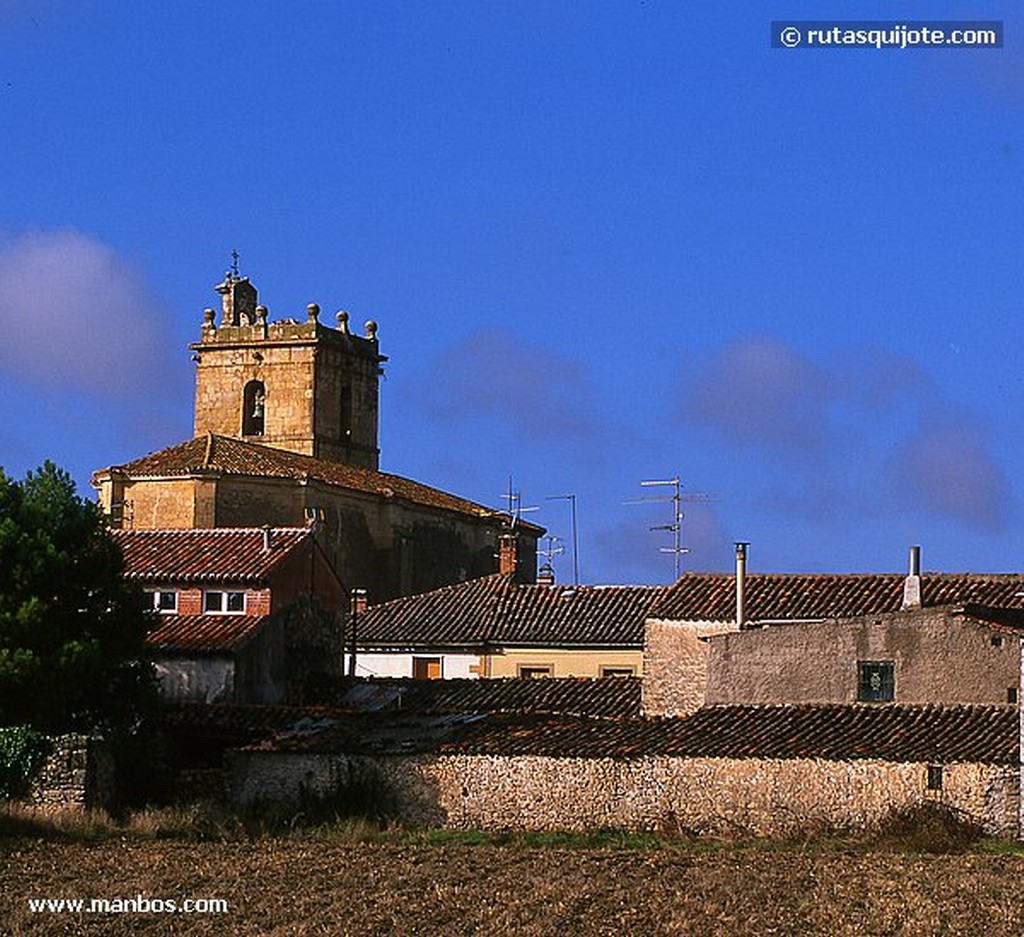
x,y
496,610
219,554
225,455
775,596
608,697
211,634
920,734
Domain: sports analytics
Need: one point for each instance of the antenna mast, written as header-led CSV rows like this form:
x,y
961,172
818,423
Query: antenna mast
x,y
676,498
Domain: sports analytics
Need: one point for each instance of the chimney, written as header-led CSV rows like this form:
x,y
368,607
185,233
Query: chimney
x,y
507,552
912,584
268,540
546,575
741,581
357,608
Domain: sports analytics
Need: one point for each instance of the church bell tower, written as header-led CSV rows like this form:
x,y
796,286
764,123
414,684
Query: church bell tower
x,y
290,384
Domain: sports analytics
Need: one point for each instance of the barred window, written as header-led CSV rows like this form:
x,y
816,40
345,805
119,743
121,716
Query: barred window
x,y
876,681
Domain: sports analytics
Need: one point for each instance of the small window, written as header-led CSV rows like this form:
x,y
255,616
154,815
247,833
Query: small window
x,y
426,668
1011,694
617,672
997,640
534,672
164,601
876,681
223,602
935,777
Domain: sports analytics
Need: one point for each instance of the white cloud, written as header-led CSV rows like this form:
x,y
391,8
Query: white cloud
x,y
78,317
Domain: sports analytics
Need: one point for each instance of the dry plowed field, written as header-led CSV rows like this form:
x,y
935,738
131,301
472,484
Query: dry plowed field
x,y
299,885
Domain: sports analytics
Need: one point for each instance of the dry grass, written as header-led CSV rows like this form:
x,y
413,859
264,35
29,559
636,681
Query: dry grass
x,y
352,878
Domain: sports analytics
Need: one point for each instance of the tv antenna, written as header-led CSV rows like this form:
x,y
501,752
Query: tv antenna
x,y
571,498
677,498
552,549
515,504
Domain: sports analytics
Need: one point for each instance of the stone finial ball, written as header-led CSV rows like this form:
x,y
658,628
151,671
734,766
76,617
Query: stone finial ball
x,y
261,311
371,328
208,316
313,310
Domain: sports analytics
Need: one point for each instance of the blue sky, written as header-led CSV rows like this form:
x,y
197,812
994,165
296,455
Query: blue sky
x,y
604,243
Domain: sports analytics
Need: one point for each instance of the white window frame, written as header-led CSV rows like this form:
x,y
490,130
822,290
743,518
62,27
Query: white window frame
x,y
225,596
156,596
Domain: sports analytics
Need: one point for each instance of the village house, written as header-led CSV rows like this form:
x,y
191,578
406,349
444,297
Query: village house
x,y
498,626
833,638
286,417
240,614
785,739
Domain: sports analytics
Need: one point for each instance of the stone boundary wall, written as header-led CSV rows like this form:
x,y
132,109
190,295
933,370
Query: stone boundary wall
x,y
698,795
78,771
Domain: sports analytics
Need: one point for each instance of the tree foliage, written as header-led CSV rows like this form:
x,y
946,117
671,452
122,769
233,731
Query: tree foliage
x,y
72,629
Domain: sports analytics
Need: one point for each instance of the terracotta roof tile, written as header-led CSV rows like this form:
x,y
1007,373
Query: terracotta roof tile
x,y
225,455
221,554
211,634
496,610
607,697
924,734
767,597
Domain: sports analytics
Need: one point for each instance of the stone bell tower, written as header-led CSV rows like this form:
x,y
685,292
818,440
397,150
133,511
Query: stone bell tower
x,y
297,385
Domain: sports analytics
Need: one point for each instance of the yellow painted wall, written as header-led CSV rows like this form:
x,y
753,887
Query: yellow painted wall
x,y
563,663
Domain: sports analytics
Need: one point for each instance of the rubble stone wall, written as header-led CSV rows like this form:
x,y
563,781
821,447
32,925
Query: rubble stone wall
x,y
699,795
675,665
79,770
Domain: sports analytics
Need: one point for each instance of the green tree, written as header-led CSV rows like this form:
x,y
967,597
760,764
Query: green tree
x,y
72,630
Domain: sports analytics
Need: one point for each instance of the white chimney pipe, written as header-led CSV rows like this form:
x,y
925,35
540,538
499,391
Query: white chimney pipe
x,y
741,579
912,584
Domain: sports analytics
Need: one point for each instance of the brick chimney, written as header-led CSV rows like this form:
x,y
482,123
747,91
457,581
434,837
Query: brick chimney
x,y
546,575
508,552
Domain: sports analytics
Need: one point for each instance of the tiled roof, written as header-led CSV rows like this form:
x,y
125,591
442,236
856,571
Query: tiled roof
x,y
608,697
220,554
496,610
211,634
920,734
767,597
245,722
225,455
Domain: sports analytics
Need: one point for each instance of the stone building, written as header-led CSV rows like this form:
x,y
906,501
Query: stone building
x,y
286,417
826,638
754,770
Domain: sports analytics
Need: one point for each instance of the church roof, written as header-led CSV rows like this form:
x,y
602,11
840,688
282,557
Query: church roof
x,y
221,554
225,455
500,611
786,596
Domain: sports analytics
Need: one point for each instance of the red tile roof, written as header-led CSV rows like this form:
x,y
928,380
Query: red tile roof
x,y
771,597
902,734
210,634
606,697
220,554
496,610
225,455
